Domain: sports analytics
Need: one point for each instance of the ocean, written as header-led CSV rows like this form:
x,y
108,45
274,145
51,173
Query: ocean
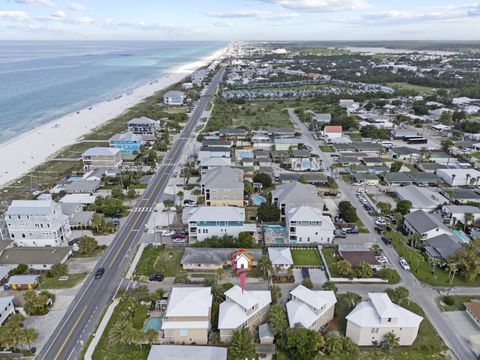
x,y
44,80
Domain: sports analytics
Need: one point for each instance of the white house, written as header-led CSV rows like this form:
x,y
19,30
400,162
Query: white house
x,y
295,194
143,126
208,152
456,213
108,158
422,198
187,318
173,97
242,309
459,177
37,223
306,224
207,221
333,131
281,258
6,308
311,309
426,224
372,319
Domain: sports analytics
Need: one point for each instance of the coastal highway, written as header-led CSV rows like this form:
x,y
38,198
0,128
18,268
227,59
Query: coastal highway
x,y
84,312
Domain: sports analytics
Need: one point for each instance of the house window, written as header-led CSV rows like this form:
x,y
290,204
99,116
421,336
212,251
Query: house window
x,y
183,332
389,320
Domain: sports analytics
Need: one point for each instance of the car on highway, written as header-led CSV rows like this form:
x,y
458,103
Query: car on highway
x,y
99,273
156,277
381,259
404,264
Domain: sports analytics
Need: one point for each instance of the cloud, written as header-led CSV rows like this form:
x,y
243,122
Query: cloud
x,y
59,14
222,23
261,15
77,7
438,13
48,3
13,15
322,5
84,20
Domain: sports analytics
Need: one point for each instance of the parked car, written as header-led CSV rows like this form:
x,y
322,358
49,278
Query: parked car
x,y
305,273
179,240
340,234
73,241
179,235
380,221
378,230
353,231
381,259
404,184
367,207
189,203
330,193
99,273
156,277
386,240
404,264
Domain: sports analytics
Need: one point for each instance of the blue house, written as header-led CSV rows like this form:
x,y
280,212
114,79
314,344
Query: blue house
x,y
127,142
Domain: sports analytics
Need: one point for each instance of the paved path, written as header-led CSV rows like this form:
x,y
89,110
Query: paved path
x,y
423,295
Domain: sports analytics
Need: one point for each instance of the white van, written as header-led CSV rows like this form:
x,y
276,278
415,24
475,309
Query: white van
x,y
387,144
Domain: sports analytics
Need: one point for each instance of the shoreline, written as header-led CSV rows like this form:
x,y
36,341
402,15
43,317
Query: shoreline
x,y
26,151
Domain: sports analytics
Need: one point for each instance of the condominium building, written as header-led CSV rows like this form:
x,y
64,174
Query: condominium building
x,y
223,186
108,158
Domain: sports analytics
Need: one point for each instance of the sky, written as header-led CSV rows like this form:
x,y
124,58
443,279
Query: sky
x,y
239,20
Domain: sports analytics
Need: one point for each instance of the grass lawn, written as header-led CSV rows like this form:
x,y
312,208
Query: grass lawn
x,y
146,265
421,268
476,155
104,351
331,257
54,283
306,257
327,149
411,87
428,344
458,301
361,227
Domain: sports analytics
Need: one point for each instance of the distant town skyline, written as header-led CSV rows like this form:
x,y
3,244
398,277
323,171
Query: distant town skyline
x,y
239,20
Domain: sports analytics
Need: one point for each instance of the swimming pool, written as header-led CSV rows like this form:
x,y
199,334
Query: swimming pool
x,y
258,200
153,323
461,235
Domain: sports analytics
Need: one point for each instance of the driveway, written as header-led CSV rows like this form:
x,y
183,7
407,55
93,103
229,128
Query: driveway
x,y
466,327
318,277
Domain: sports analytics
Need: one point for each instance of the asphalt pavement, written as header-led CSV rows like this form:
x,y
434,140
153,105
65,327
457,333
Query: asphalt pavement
x,y
80,320
423,295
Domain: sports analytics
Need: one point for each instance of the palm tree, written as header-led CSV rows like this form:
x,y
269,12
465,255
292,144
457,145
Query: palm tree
x,y
452,270
265,265
119,332
390,340
467,219
434,262
276,293
220,273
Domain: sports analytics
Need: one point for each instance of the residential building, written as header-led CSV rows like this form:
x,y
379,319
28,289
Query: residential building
x,y
143,126
102,158
401,134
281,258
6,308
233,133
442,246
127,142
366,179
187,86
207,221
371,320
311,309
82,187
36,258
425,224
459,177
405,153
462,196
214,162
22,282
242,309
306,224
37,223
456,213
295,194
422,198
473,311
213,152
187,318
187,352
212,259
223,186
173,97
287,144
265,334
442,158
333,131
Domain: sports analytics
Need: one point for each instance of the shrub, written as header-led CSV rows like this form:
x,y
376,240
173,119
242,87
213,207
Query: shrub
x,y
390,275
449,300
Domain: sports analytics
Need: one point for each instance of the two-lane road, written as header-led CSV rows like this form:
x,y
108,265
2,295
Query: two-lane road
x,y
85,311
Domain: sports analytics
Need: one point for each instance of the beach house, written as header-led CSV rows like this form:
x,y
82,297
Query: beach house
x,y
295,194
459,177
207,221
187,318
143,126
6,308
372,319
37,223
223,186
187,352
36,258
247,309
281,258
127,142
307,224
173,97
311,309
426,224
102,158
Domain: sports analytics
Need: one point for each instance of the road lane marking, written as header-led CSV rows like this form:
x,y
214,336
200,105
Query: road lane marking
x,y
70,333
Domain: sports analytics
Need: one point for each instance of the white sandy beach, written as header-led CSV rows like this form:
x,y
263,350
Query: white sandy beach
x,y
28,150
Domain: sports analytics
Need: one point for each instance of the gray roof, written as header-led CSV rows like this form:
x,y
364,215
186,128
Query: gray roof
x,y
82,186
34,255
403,150
82,218
30,207
187,352
213,256
101,151
70,209
232,131
442,246
423,222
311,177
462,194
174,94
296,193
142,121
422,177
126,136
265,331
397,177
223,177
421,198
